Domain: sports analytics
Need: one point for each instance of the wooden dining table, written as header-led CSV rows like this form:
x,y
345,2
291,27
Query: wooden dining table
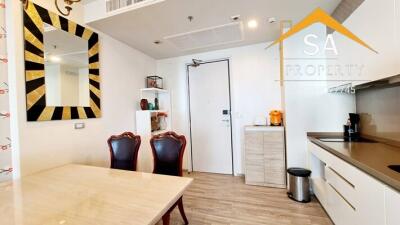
x,y
79,194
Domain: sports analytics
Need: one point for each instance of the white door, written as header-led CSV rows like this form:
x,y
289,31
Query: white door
x,y
210,117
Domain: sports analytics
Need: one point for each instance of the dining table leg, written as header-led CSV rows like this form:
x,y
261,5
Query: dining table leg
x,y
182,211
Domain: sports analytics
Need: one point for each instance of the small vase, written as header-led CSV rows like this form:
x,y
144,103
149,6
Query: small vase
x,y
144,105
156,104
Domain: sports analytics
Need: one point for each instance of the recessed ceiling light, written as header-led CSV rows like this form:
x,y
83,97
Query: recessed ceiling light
x,y
271,20
55,59
235,18
157,42
252,24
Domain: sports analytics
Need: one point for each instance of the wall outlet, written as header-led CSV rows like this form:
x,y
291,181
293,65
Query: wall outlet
x,y
79,126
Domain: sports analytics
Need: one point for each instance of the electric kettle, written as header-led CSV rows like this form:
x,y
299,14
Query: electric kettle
x,y
275,118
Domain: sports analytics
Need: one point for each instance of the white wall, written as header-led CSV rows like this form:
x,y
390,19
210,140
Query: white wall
x,y
254,89
308,106
42,145
53,85
5,152
84,96
69,79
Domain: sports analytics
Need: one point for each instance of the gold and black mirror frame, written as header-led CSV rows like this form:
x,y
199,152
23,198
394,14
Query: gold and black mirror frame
x,y
34,18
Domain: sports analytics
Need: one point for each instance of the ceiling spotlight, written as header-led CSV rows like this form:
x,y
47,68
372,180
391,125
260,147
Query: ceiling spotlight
x,y
235,18
157,42
55,59
271,20
252,24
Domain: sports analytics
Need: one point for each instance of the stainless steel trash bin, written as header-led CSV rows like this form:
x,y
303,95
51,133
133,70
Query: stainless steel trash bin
x,y
299,184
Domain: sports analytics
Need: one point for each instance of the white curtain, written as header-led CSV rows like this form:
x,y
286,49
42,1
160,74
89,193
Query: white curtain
x,y
5,142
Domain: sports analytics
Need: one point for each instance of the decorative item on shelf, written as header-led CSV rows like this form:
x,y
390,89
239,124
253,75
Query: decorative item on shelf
x,y
162,114
154,82
155,123
151,106
163,121
275,118
144,104
67,7
156,104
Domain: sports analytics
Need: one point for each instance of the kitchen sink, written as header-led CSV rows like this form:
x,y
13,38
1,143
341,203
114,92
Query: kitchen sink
x,y
395,168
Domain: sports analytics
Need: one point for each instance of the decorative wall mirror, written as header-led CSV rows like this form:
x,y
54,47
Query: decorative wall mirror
x,y
61,67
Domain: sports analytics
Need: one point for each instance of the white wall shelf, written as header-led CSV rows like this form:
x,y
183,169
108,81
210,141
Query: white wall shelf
x,y
143,124
153,90
155,111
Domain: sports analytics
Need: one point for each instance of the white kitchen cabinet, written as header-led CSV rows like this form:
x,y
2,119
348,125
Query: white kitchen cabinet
x,y
339,209
380,32
392,204
349,195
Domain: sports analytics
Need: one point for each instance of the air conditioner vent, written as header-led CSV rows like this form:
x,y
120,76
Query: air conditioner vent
x,y
112,5
209,37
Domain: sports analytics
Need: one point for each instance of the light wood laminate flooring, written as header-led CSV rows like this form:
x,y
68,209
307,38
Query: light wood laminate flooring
x,y
224,199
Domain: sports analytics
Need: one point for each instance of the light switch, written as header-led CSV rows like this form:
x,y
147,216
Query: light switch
x,y
79,126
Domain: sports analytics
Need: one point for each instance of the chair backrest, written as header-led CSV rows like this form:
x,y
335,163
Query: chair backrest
x,y
168,149
124,150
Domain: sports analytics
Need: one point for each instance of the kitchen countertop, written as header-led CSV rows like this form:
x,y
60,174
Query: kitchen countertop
x,y
372,158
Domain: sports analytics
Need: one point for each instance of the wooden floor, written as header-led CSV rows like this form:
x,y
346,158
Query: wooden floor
x,y
223,199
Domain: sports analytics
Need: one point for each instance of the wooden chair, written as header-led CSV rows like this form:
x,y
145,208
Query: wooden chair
x,y
168,149
124,150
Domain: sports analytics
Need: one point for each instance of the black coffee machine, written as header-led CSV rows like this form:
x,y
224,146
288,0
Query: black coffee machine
x,y
352,128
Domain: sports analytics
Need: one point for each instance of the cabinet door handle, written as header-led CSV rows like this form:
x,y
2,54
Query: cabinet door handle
x,y
341,196
344,179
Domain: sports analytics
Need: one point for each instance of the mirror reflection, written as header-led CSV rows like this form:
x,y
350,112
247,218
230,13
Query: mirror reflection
x,y
66,68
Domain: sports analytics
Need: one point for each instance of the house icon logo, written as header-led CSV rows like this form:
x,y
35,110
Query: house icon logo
x,y
319,15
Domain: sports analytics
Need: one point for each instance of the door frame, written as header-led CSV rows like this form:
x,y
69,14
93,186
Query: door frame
x,y
188,65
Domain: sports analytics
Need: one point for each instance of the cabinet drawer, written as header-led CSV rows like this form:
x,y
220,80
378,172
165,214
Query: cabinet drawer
x,y
344,187
341,211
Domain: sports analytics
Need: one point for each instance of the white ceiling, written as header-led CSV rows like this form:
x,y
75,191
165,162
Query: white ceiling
x,y
141,27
